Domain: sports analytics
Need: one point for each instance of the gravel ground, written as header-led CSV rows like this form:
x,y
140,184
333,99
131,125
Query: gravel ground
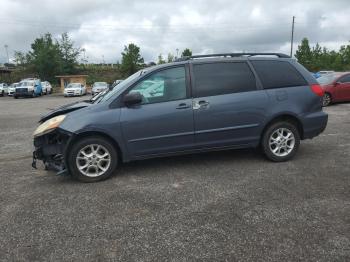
x,y
220,206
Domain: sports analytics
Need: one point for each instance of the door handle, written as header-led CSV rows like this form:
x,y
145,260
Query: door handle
x,y
183,106
203,103
200,104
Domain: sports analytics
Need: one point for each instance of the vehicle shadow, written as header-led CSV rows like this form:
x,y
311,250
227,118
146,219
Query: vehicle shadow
x,y
200,160
185,162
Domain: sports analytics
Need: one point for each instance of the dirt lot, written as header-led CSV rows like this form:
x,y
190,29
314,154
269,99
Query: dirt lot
x,y
232,205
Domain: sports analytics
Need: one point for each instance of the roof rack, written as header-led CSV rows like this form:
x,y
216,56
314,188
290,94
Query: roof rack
x,y
279,55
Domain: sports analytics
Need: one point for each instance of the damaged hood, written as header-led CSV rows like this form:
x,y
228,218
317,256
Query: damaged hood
x,y
64,109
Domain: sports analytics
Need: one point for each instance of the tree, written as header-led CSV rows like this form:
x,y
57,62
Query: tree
x,y
20,58
304,54
186,52
161,59
45,57
170,57
69,54
131,59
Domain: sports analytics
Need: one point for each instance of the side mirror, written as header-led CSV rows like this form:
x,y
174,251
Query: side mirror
x,y
132,99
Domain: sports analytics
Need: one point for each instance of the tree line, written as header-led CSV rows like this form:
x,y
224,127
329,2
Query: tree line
x,y
318,58
49,57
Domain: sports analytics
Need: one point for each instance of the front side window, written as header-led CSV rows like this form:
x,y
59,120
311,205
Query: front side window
x,y
223,78
163,86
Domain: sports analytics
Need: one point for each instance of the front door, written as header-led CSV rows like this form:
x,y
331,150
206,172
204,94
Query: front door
x,y
343,88
163,123
228,108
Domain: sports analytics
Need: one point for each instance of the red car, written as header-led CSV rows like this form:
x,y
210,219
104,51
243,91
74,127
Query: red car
x,y
336,87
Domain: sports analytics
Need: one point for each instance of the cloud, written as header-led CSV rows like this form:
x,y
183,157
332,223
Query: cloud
x,y
103,27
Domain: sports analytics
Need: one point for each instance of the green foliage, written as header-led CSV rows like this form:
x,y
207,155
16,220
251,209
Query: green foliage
x,y
100,73
170,57
20,58
161,59
303,54
45,57
318,58
69,54
186,52
132,60
48,57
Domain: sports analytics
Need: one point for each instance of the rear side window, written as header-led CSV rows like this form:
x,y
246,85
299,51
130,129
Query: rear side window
x,y
223,78
278,74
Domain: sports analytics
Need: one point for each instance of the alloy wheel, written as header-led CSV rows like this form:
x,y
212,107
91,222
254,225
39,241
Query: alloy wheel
x,y
93,160
282,142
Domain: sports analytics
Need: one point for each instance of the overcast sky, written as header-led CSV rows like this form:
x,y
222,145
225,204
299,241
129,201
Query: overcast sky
x,y
103,27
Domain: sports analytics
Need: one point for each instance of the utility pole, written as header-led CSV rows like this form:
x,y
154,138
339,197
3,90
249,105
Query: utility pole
x,y
292,39
7,52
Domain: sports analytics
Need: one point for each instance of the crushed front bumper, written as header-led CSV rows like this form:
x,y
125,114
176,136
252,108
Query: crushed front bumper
x,y
51,149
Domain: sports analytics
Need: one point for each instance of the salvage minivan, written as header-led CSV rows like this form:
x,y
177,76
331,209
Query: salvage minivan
x,y
200,103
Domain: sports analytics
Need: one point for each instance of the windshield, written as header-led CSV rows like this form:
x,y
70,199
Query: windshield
x,y
120,86
73,85
26,83
326,79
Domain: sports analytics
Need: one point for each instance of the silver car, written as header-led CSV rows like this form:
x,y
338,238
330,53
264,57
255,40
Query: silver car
x,y
98,87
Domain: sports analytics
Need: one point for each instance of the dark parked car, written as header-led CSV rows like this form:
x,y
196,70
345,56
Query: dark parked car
x,y
336,87
202,103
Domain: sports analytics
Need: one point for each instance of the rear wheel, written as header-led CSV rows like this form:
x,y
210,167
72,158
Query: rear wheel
x,y
92,159
281,141
327,99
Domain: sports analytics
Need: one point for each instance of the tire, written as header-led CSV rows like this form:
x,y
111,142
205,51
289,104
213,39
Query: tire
x,y
285,149
327,99
15,97
3,93
90,174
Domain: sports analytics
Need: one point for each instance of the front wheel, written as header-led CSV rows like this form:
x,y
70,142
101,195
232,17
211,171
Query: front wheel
x,y
280,141
92,159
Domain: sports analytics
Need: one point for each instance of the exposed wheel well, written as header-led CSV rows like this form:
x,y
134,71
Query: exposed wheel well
x,y
100,134
328,94
288,118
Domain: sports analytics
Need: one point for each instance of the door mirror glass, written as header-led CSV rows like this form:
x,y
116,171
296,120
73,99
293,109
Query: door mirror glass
x,y
132,99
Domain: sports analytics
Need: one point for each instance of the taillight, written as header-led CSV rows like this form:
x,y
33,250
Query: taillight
x,y
317,89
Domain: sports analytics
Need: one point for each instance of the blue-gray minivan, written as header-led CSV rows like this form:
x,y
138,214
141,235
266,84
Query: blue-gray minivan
x,y
196,104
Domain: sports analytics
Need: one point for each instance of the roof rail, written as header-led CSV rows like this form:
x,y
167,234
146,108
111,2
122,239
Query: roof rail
x,y
279,55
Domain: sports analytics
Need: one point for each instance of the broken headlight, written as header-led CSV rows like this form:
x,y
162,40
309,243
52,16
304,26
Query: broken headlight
x,y
49,125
